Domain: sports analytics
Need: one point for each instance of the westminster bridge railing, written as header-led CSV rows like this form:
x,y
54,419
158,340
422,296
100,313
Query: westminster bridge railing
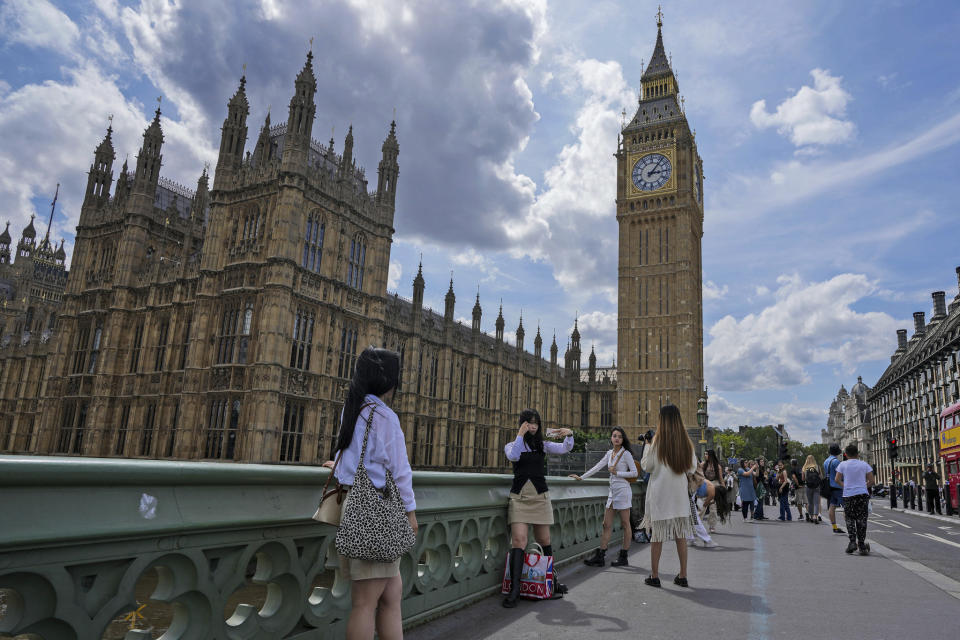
x,y
106,548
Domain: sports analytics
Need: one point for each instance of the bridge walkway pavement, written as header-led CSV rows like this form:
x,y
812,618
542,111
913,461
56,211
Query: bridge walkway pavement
x,y
767,579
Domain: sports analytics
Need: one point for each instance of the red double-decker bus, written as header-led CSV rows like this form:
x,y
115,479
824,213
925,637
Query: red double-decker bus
x,y
950,449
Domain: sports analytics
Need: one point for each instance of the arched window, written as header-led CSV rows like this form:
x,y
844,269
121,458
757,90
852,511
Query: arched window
x,y
358,256
313,242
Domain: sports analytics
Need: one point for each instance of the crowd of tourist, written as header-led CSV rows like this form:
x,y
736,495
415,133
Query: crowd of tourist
x,y
375,507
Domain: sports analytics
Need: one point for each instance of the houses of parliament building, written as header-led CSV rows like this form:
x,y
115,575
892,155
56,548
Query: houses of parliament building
x,y
223,323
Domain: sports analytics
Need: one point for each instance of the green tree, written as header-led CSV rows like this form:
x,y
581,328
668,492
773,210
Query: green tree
x,y
723,439
760,442
818,451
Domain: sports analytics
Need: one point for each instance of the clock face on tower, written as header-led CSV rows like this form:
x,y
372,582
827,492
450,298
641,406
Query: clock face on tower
x,y
651,172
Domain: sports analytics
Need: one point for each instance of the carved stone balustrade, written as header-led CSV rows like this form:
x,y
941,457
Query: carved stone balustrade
x,y
79,536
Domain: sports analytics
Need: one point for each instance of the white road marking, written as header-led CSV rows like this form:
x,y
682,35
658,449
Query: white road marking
x,y
905,526
882,524
938,539
946,527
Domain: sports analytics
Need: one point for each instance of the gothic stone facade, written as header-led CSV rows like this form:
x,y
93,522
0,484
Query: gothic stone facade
x,y
224,323
921,381
848,420
660,212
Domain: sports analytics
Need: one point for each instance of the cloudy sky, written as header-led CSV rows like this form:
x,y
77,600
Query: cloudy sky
x,y
829,134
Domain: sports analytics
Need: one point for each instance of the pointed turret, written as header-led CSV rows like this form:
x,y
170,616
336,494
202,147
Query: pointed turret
x,y
149,160
418,287
263,152
499,324
346,160
520,334
5,240
201,201
477,310
100,176
300,119
27,240
574,352
388,170
658,78
61,255
537,343
233,136
122,189
592,363
553,350
448,303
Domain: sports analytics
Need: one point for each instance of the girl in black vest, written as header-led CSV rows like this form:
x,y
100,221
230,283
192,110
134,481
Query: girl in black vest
x,y
529,496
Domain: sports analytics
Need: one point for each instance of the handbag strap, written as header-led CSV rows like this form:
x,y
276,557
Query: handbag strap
x,y
332,472
340,453
366,433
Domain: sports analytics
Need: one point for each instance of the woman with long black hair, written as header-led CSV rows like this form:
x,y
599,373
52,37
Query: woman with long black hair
x,y
621,466
529,497
717,504
376,587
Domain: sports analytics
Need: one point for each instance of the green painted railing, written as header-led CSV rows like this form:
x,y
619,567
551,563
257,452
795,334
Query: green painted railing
x,y
228,550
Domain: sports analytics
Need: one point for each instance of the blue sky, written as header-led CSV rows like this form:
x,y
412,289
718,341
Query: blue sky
x,y
829,134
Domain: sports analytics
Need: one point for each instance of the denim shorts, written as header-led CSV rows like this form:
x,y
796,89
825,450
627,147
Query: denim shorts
x,y
702,491
836,497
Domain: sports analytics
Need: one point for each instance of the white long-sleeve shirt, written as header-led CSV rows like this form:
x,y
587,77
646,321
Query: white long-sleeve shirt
x,y
386,450
626,467
518,446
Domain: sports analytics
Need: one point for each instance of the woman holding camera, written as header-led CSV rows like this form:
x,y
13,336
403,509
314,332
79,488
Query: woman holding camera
x,y
619,462
529,497
669,458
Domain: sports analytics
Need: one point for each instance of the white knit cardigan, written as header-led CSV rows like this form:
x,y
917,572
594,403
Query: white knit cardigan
x,y
667,506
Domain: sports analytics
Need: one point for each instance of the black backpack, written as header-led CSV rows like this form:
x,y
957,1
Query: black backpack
x,y
811,477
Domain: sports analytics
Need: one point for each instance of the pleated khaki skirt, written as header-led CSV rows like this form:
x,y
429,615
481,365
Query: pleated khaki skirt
x,y
530,507
356,569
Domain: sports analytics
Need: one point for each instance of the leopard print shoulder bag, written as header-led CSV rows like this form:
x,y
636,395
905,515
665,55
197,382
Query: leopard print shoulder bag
x,y
372,527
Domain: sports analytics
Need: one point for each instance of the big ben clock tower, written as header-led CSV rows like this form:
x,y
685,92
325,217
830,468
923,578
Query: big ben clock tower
x,y
660,213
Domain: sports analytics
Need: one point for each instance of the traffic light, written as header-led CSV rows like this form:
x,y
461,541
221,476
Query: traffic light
x,y
892,448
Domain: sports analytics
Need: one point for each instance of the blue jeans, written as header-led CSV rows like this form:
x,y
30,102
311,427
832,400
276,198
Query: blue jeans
x,y
785,508
758,511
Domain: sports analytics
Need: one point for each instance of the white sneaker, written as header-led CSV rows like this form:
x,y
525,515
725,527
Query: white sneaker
x,y
711,545
691,542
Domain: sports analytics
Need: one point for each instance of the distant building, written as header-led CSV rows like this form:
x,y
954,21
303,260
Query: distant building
x,y
920,382
848,420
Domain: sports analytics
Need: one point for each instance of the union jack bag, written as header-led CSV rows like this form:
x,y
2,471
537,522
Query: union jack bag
x,y
536,579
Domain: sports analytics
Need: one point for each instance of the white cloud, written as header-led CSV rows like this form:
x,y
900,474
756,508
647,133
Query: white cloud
x,y
761,290
807,323
39,25
394,275
571,223
802,421
815,115
745,197
713,291
598,330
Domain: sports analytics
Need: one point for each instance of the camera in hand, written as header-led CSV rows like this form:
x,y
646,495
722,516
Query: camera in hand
x,y
648,436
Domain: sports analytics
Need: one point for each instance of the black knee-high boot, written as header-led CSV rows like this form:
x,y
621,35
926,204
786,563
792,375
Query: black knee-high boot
x,y
516,567
558,587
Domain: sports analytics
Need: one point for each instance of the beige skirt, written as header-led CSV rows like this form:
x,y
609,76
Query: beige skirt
x,y
355,569
530,507
801,495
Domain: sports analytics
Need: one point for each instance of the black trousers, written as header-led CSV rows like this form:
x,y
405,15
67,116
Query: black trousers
x,y
933,498
855,513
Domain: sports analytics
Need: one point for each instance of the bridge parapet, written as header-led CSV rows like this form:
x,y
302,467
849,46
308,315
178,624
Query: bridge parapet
x,y
219,550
